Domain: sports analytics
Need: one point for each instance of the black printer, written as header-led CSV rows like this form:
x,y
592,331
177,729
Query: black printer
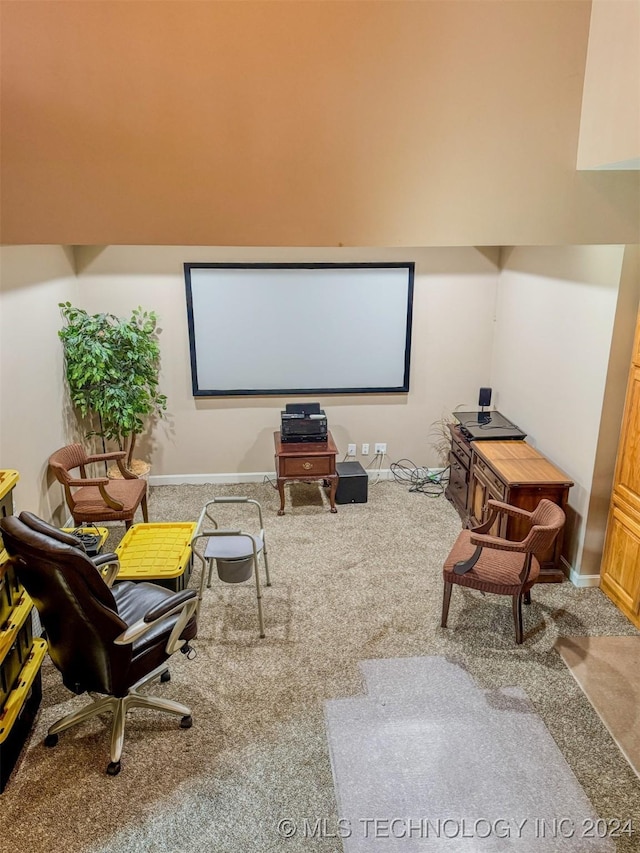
x,y
303,422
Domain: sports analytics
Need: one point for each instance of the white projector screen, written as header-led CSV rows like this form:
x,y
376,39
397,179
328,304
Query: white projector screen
x,y
299,328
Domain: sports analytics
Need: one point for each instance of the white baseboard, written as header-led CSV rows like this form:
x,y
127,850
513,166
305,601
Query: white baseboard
x,y
203,479
249,477
583,580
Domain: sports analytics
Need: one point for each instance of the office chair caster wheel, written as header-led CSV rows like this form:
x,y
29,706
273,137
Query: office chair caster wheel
x,y
166,676
51,740
113,768
186,722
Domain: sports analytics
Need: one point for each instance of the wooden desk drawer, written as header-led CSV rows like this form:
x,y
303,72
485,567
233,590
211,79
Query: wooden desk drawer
x,y
458,465
485,473
461,451
310,466
458,487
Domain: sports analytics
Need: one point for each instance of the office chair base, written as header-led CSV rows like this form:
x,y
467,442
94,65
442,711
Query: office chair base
x,y
119,707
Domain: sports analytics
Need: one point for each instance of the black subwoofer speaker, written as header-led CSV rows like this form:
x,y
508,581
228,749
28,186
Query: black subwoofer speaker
x,y
352,484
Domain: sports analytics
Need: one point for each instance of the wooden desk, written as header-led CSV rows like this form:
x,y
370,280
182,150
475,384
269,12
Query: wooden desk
x,y
306,461
516,473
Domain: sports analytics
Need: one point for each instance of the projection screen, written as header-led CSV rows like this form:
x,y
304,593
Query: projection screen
x,y
284,329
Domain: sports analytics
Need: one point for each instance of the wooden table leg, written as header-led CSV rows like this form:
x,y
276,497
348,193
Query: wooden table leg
x,y
332,492
281,492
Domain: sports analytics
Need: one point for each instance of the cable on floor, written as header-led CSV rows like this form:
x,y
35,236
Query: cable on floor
x,y
420,479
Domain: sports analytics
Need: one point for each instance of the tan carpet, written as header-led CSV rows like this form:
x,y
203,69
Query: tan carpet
x,y
608,670
363,584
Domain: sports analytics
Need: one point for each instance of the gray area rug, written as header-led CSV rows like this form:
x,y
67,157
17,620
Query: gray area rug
x,y
364,584
428,761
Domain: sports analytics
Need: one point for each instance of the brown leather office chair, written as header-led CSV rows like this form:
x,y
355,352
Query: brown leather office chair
x,y
501,566
105,641
94,499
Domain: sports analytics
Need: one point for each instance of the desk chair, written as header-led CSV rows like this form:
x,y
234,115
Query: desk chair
x,y
105,641
94,499
107,564
235,552
501,566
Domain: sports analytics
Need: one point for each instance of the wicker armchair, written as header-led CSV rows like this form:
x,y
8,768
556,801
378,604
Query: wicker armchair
x,y
93,499
501,566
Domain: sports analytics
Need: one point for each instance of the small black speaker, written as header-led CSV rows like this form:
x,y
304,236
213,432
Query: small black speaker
x,y
352,484
485,397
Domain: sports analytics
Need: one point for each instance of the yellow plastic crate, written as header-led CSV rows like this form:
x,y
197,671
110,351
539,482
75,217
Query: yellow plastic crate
x,y
158,552
16,620
20,692
8,479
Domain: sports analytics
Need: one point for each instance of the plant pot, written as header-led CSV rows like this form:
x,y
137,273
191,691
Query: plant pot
x,y
235,571
138,467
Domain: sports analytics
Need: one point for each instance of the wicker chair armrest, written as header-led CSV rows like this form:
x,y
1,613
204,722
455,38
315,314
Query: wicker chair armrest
x,y
118,456
88,481
108,499
105,457
514,511
499,544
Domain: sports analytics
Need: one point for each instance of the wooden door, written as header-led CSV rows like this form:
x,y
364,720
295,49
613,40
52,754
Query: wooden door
x,y
620,569
620,578
627,476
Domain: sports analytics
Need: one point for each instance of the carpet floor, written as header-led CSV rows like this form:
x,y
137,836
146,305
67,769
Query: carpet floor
x,y
363,584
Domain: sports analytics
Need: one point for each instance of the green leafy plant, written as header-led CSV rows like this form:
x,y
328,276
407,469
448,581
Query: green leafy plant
x,y
112,367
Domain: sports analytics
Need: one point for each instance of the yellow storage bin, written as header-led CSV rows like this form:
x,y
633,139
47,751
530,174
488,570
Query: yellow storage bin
x,y
19,712
157,552
8,479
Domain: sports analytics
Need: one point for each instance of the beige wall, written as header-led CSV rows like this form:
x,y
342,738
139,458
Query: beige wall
x,y
554,327
229,436
235,435
550,331
301,124
610,122
34,415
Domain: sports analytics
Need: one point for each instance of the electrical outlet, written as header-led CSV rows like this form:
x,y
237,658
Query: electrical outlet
x,y
381,448
351,450
365,449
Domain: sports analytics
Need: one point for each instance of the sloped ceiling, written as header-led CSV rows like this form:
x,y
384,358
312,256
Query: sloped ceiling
x,y
300,124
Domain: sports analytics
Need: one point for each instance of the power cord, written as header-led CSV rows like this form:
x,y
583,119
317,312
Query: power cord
x,y
267,479
379,457
420,479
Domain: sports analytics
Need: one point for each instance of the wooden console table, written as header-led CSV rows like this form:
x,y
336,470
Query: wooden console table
x,y
306,461
509,471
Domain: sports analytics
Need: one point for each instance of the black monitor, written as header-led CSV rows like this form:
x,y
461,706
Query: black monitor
x,y
488,426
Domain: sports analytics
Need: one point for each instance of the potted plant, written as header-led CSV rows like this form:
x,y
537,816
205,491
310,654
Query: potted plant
x,y
441,437
112,366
